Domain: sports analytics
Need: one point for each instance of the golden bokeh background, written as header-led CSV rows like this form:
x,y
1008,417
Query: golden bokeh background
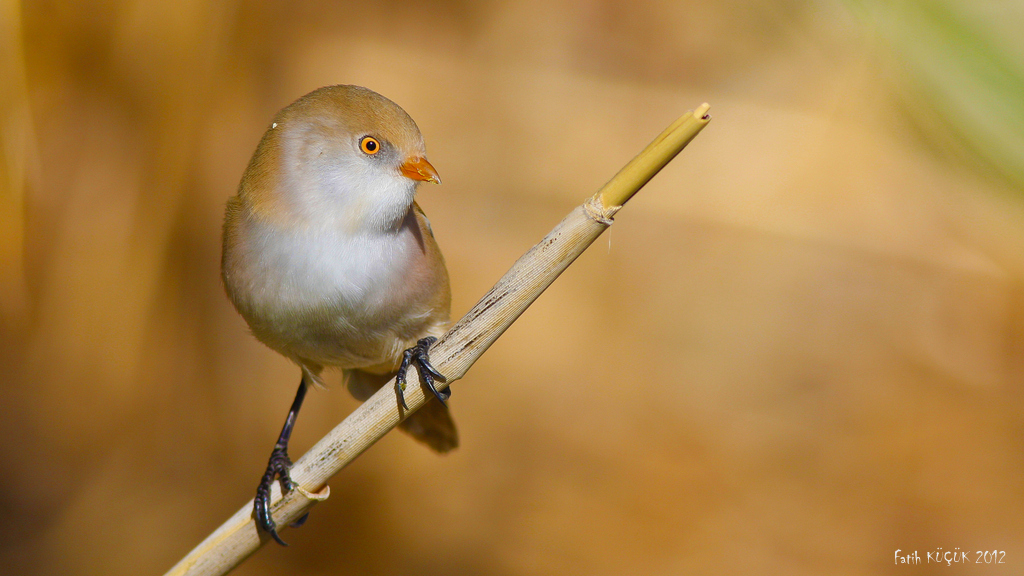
x,y
799,349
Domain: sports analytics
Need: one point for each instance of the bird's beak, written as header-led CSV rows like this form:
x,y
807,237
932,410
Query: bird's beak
x,y
417,168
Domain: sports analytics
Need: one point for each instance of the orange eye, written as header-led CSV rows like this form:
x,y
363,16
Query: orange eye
x,y
369,145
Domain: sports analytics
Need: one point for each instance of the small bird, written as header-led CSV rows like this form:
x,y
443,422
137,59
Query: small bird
x,y
332,263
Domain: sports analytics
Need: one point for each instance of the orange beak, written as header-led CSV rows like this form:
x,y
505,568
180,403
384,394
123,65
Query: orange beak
x,y
418,168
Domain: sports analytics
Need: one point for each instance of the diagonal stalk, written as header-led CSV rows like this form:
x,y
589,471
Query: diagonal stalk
x,y
452,355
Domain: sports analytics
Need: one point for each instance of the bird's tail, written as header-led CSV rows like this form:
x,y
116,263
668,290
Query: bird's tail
x,y
432,424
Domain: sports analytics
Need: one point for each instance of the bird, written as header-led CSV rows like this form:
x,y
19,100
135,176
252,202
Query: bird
x,y
332,263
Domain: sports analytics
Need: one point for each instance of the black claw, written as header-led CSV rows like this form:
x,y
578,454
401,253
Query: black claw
x,y
277,469
442,396
262,511
419,355
400,377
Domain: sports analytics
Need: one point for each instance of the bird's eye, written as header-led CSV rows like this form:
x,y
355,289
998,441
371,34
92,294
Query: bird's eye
x,y
369,145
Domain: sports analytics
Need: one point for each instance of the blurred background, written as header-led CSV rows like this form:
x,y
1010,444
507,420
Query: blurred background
x,y
798,350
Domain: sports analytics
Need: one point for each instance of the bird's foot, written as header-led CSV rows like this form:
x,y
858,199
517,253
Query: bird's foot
x,y
419,355
277,468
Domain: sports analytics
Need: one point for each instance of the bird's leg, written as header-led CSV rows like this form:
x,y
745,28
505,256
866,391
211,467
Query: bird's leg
x,y
418,354
278,467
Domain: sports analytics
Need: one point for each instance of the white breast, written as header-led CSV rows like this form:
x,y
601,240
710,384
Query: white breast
x,y
331,297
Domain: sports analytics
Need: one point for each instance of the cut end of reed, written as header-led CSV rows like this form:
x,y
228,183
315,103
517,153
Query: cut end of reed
x,y
652,159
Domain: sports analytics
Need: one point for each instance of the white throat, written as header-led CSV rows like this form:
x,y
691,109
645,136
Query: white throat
x,y
355,199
